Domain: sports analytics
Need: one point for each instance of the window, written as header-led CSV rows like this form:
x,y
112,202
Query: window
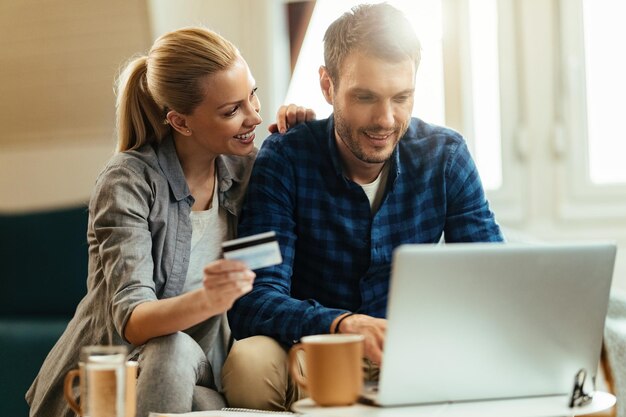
x,y
485,105
590,96
605,81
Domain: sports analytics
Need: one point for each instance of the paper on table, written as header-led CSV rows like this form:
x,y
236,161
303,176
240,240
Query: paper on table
x,y
227,413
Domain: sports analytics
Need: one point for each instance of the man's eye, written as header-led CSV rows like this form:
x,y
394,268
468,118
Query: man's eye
x,y
402,99
364,98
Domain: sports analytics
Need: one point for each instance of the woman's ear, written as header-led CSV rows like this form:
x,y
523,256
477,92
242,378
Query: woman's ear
x,y
326,83
178,122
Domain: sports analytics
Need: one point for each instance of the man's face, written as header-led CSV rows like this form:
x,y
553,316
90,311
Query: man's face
x,y
372,103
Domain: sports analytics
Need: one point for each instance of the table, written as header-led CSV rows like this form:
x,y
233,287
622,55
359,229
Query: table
x,y
555,406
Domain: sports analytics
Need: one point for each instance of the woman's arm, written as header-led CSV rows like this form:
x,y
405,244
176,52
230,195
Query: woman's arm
x,y
224,282
119,214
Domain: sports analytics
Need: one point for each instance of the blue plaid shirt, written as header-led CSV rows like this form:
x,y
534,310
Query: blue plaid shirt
x,y
336,255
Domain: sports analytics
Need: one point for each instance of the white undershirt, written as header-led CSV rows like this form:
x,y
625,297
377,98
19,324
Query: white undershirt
x,y
208,231
374,191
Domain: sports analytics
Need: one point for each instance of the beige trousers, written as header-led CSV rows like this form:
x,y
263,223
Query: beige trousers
x,y
255,375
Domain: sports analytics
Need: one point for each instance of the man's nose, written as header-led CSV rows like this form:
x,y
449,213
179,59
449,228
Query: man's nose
x,y
384,114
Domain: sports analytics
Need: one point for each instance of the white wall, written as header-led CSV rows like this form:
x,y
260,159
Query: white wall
x,y
41,176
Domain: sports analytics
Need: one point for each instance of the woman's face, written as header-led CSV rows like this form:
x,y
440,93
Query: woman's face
x,y
224,122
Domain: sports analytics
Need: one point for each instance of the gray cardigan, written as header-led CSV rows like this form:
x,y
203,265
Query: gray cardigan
x,y
139,236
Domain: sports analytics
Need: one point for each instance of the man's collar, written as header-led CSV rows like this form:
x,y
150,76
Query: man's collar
x,y
332,146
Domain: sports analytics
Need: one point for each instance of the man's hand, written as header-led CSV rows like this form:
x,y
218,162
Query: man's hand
x,y
290,115
372,328
224,282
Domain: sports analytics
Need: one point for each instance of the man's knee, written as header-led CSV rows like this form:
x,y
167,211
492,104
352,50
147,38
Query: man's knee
x,y
255,375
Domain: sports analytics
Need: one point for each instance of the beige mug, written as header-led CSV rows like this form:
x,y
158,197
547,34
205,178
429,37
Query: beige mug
x,y
107,383
333,365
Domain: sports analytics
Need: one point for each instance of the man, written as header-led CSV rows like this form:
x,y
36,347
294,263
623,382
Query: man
x,y
341,194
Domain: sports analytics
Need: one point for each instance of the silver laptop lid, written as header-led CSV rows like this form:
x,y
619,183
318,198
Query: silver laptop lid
x,y
487,321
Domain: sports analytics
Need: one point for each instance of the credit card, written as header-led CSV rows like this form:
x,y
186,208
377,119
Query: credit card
x,y
257,251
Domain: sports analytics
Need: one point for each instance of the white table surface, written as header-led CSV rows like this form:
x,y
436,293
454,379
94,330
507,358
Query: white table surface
x,y
525,407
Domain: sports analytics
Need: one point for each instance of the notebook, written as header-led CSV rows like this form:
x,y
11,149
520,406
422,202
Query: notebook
x,y
492,321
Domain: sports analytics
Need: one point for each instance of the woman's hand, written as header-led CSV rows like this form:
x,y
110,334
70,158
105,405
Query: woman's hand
x,y
224,282
290,115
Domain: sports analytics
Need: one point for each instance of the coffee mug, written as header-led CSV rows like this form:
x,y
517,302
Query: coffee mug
x,y
333,365
107,383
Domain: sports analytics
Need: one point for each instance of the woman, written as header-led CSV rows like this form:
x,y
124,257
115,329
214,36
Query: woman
x,y
186,116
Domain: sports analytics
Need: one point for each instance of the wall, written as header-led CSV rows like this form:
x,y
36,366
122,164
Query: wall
x,y
57,110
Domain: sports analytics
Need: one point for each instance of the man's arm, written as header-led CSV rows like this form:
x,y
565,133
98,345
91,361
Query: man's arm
x,y
468,217
269,308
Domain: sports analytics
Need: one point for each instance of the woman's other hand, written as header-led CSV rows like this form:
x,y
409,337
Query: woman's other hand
x,y
290,115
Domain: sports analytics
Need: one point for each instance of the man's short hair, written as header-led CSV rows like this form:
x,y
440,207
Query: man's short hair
x,y
379,30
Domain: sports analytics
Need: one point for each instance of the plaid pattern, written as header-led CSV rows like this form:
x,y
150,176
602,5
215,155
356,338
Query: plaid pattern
x,y
336,255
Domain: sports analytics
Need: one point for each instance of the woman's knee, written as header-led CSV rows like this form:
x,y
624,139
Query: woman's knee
x,y
207,399
176,353
176,345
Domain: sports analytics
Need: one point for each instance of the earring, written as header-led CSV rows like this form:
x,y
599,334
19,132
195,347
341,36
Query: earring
x,y
188,131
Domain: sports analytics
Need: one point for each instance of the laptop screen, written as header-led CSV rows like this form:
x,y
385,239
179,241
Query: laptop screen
x,y
488,321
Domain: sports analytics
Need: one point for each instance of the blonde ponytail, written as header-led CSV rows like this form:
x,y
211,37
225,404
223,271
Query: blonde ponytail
x,y
139,117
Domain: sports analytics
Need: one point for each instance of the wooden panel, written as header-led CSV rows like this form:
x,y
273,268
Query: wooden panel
x,y
58,64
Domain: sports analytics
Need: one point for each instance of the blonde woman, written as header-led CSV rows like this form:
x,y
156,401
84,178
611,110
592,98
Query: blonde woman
x,y
186,119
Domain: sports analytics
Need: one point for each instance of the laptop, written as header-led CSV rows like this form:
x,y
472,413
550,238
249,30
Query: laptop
x,y
484,321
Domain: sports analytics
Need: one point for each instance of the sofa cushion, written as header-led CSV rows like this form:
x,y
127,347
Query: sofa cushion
x,y
43,262
24,344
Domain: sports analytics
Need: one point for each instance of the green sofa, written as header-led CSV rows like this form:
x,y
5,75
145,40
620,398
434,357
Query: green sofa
x,y
43,258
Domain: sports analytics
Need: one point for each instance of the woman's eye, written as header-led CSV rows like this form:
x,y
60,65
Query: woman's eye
x,y
254,91
232,111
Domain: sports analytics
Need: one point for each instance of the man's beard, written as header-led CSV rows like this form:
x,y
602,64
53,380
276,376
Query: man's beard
x,y
345,133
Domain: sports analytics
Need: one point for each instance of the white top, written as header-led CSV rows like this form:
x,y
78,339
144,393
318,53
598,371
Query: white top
x,y
374,191
209,230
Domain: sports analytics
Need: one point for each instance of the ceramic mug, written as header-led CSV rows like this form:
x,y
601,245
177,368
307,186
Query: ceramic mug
x,y
107,383
334,367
